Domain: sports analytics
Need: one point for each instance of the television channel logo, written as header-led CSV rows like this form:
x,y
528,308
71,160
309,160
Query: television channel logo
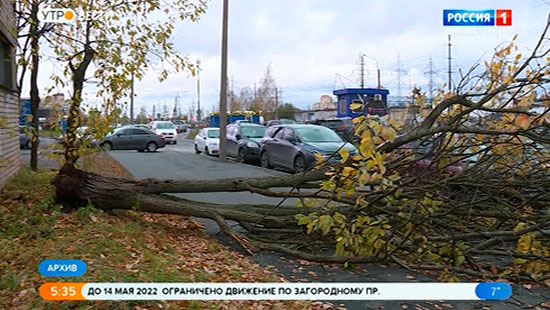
x,y
60,15
500,17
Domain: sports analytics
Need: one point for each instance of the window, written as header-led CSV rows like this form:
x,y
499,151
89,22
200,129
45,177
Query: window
x,y
342,106
122,132
317,134
138,132
279,135
231,132
6,65
165,125
289,135
270,131
253,131
213,133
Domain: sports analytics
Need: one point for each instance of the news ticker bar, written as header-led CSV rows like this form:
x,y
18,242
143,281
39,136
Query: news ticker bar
x,y
275,291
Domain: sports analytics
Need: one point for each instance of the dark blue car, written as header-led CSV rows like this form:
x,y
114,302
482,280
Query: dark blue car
x,y
293,147
243,141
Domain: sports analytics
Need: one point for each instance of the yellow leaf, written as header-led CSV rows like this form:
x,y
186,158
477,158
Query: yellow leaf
x,y
319,159
358,119
345,154
347,171
355,106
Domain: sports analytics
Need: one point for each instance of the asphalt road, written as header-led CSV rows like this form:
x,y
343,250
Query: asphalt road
x,y
44,161
180,162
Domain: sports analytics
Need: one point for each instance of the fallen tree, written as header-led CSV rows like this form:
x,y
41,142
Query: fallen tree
x,y
460,188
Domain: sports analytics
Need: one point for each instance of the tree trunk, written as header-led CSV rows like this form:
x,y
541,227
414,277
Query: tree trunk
x,y
34,93
76,188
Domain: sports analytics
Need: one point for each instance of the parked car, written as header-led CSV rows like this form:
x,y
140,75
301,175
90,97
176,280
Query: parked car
x,y
344,127
208,141
132,138
293,147
24,139
243,141
142,126
282,121
165,128
181,126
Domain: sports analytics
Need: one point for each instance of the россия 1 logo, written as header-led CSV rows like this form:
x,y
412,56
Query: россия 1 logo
x,y
501,17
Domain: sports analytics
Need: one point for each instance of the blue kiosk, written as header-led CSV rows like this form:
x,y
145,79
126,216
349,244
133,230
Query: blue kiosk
x,y
375,101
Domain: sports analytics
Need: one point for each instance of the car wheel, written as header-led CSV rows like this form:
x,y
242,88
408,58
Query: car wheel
x,y
28,145
299,164
197,150
264,160
151,147
206,151
240,156
107,146
175,142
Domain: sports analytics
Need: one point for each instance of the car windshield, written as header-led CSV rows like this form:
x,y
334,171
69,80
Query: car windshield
x,y
165,126
213,133
317,134
253,131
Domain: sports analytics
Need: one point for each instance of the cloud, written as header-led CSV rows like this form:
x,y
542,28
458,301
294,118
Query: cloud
x,y
309,42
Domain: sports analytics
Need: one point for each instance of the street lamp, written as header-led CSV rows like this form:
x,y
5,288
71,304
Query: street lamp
x,y
198,90
377,68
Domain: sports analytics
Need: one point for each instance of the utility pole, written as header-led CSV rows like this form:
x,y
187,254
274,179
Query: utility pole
x,y
361,71
132,100
449,70
154,111
230,94
164,110
198,90
254,101
276,103
175,111
399,71
223,83
430,72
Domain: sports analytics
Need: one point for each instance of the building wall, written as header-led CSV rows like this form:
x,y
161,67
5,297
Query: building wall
x,y
9,101
9,135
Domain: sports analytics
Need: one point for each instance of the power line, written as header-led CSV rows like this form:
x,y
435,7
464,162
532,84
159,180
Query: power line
x,y
449,70
399,71
430,72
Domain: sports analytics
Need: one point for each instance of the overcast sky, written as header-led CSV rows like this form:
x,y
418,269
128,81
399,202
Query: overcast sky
x,y
313,46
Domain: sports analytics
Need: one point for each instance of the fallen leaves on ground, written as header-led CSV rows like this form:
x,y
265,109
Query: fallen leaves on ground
x,y
118,246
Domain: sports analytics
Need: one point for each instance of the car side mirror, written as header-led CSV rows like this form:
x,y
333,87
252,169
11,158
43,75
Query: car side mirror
x,y
238,137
